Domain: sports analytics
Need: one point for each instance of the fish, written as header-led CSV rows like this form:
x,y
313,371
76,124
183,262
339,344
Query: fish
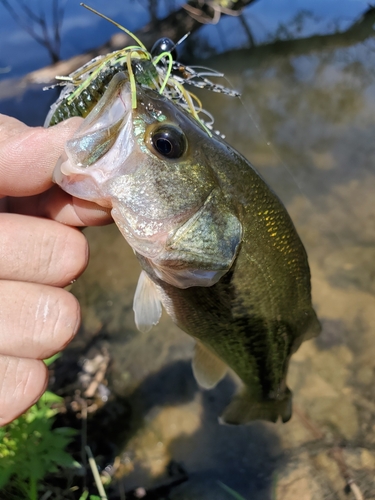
x,y
217,247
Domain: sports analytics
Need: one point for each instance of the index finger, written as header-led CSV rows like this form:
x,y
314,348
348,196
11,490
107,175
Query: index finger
x,y
29,154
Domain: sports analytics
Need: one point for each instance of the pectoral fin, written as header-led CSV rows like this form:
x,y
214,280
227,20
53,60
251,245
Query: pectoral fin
x,y
146,304
208,369
244,408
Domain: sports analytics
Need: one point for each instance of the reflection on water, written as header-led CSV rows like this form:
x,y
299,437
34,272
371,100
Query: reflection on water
x,y
317,111
81,31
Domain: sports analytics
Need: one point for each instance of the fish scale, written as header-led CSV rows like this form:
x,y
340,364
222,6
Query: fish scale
x,y
256,331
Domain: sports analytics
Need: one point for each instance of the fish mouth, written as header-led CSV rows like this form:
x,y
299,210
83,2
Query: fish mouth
x,y
89,160
103,140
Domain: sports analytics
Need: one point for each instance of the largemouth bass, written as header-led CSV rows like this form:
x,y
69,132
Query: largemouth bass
x,y
217,247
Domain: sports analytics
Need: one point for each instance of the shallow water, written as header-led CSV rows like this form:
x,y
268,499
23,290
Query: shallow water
x,y
306,120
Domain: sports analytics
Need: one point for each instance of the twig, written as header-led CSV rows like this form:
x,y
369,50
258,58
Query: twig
x,y
336,454
317,433
355,490
121,490
247,29
99,376
96,475
26,18
83,404
46,495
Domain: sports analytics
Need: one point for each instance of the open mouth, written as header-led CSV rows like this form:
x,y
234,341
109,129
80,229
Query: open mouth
x,y
101,141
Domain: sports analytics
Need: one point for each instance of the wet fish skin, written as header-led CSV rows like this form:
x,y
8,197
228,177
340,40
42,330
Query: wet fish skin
x,y
260,311
217,246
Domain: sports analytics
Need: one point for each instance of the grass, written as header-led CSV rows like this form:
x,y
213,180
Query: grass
x,y
30,448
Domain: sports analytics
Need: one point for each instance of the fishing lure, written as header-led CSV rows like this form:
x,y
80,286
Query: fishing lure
x,y
157,70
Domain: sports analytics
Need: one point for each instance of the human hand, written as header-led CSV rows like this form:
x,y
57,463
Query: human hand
x,y
39,254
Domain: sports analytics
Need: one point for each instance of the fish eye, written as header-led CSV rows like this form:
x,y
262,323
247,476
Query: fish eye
x,y
169,141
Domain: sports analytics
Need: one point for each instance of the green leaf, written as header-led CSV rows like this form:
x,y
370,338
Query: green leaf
x,y
63,459
49,397
30,448
66,431
53,358
5,475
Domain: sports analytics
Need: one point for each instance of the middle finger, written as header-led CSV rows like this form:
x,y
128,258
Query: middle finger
x,y
40,250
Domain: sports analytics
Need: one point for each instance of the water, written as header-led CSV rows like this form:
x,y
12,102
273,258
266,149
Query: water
x,y
81,30
314,105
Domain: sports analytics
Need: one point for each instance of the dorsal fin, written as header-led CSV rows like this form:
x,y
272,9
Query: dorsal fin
x,y
208,369
146,304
